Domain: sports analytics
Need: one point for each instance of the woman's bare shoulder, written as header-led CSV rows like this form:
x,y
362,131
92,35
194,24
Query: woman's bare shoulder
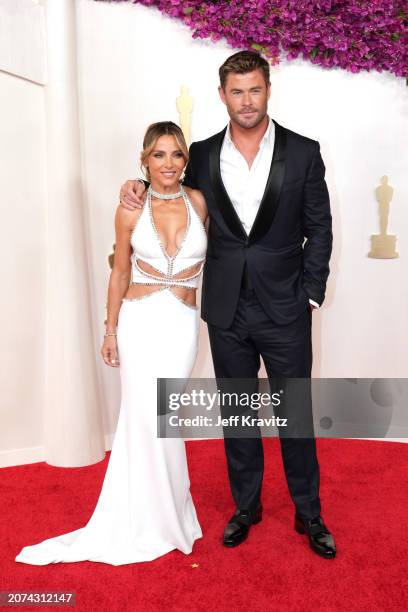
x,y
195,194
197,199
126,219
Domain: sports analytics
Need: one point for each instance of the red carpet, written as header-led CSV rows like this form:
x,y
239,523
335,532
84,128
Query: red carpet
x,y
364,496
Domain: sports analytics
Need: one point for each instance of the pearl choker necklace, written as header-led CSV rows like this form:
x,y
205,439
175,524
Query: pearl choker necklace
x,y
165,196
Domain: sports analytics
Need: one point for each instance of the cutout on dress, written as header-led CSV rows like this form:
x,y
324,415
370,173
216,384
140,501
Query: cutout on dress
x,y
156,280
154,273
185,230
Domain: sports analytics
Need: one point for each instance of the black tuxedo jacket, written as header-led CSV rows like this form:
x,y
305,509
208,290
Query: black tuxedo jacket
x,y
288,249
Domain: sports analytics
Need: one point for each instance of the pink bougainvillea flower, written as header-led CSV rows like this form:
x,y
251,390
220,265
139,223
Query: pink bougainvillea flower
x,y
348,34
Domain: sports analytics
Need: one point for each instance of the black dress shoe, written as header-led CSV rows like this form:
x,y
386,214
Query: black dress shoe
x,y
238,526
320,538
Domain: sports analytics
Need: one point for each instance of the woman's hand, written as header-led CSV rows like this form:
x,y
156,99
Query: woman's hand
x,y
109,352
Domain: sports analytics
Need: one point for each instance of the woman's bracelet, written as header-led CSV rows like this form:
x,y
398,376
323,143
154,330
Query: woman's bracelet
x,y
110,334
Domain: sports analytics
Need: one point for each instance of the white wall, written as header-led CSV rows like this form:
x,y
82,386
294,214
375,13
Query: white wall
x,y
22,39
131,63
23,241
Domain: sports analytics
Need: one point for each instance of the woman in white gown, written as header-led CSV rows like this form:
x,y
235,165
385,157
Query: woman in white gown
x,y
145,507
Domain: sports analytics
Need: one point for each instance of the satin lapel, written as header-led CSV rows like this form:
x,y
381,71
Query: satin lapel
x,y
221,196
270,199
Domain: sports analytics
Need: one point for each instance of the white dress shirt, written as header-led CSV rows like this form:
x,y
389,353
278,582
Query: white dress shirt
x,y
245,186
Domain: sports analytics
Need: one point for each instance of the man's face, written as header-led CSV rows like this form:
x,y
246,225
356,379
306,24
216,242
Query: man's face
x,y
246,98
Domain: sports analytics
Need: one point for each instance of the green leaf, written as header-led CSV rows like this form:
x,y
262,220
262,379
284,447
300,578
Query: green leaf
x,y
188,10
256,47
314,52
395,36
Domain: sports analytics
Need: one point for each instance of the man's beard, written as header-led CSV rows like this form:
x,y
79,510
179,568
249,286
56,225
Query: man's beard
x,y
254,122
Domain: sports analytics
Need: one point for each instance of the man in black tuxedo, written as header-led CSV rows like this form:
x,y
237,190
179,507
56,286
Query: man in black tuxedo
x,y
269,246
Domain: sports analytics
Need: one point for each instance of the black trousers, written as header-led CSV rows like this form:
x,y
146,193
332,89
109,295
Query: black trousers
x,y
286,352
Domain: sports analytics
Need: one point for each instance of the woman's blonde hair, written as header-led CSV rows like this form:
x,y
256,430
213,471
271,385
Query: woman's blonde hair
x,y
153,133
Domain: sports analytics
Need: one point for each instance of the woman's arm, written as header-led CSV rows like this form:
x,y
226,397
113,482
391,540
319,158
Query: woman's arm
x,y
118,281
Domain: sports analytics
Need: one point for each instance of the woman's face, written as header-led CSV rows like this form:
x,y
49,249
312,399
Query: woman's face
x,y
166,162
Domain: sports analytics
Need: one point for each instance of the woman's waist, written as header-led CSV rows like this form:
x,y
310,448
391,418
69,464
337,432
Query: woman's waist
x,y
136,292
162,263
164,282
144,272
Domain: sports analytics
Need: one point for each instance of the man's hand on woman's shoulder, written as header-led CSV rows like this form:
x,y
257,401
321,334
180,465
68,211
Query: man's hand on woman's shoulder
x,y
132,194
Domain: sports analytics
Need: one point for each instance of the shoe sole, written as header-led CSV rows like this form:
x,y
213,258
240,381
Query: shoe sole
x,y
234,544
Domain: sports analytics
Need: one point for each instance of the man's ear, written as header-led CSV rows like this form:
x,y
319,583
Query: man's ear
x,y
269,90
222,93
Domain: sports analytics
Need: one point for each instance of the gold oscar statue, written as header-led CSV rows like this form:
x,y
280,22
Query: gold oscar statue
x,y
184,104
111,256
383,244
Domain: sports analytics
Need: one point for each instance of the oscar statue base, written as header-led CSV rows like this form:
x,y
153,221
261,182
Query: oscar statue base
x,y
383,246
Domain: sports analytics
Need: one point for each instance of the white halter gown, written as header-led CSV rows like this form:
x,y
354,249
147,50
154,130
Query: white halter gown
x,y
145,507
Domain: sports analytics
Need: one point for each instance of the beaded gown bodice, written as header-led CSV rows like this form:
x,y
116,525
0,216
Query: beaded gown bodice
x,y
147,247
